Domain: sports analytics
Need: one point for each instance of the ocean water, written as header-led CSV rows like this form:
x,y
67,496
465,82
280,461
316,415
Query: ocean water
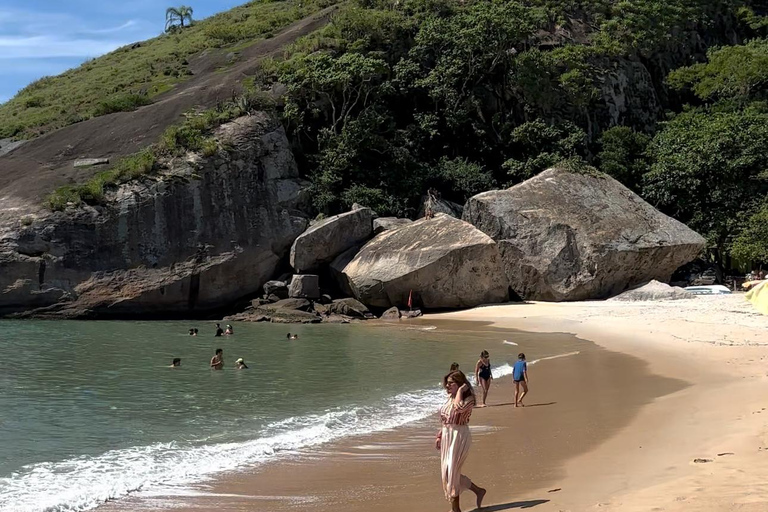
x,y
90,411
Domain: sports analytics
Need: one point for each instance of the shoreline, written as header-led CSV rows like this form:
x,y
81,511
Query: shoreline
x,y
398,468
698,449
696,393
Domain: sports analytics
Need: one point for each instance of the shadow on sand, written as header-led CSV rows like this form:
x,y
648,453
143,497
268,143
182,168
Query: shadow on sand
x,y
511,505
525,407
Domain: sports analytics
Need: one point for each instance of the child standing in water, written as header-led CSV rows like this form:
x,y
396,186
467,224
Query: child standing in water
x,y
520,376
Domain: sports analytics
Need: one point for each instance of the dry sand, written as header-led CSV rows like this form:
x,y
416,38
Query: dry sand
x,y
617,427
718,345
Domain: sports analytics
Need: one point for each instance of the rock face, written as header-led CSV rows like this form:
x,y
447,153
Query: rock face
x,y
446,262
337,266
440,206
276,287
349,307
575,236
325,240
391,314
654,291
306,286
198,236
386,223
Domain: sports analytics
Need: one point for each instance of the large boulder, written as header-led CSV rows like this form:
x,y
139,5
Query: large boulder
x,y
440,205
445,262
654,291
387,223
567,235
306,286
350,307
325,240
201,234
337,269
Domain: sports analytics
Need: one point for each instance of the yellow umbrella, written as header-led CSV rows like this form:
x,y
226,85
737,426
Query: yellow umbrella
x,y
758,296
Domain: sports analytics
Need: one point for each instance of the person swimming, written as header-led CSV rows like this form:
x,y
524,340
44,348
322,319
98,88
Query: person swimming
x,y
292,336
229,331
176,362
454,367
219,330
192,332
241,364
217,361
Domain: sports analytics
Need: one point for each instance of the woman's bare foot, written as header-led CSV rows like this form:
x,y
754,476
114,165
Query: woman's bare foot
x,y
481,405
480,495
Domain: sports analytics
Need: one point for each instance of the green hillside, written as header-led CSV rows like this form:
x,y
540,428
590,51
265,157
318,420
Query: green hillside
x,y
133,75
668,96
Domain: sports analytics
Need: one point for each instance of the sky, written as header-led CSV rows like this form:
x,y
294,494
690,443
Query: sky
x,y
46,37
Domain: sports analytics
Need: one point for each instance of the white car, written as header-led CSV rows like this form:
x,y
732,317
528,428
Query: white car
x,y
714,289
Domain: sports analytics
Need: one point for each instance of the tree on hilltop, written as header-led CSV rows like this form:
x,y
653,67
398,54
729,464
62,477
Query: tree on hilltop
x,y
175,15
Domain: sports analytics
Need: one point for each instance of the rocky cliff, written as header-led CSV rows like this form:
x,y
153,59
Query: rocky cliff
x,y
198,236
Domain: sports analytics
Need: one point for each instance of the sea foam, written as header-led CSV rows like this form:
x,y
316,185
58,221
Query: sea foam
x,y
82,483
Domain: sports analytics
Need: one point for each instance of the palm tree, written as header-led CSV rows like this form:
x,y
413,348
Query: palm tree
x,y
177,14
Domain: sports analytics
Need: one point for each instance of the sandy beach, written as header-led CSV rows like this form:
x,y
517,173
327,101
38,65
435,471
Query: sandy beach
x,y
665,410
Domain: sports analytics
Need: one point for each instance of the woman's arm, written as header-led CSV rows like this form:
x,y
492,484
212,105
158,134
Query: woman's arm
x,y
459,398
477,372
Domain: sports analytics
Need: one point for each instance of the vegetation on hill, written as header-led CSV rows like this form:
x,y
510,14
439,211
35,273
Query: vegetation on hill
x,y
133,75
393,98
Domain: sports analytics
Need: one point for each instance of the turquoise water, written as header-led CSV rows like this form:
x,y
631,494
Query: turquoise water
x,y
91,411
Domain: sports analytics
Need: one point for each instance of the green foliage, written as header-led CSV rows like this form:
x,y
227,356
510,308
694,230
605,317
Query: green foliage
x,y
730,72
464,177
540,146
121,103
146,69
623,155
708,168
752,242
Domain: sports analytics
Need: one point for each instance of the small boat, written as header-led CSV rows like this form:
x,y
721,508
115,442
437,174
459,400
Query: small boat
x,y
713,289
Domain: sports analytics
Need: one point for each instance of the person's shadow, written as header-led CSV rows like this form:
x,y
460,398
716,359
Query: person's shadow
x,y
511,505
525,407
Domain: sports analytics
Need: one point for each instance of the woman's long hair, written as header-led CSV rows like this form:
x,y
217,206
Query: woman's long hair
x,y
459,378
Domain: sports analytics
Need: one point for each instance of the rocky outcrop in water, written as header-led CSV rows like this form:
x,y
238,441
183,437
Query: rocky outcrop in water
x,y
202,234
445,262
573,236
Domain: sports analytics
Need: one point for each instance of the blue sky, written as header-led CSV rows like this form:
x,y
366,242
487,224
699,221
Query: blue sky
x,y
46,37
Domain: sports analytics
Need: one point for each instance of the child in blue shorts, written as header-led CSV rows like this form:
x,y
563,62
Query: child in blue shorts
x,y
520,376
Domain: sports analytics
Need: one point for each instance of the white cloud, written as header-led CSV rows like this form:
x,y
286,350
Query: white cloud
x,y
54,46
127,24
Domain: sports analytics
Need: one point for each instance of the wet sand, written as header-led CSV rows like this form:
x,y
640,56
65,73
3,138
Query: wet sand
x,y
519,454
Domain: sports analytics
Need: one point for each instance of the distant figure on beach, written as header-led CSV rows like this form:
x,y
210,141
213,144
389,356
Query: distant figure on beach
x,y
229,330
454,367
292,336
217,361
241,364
520,376
176,362
483,374
453,439
219,331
